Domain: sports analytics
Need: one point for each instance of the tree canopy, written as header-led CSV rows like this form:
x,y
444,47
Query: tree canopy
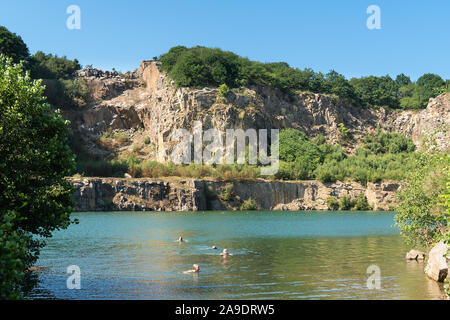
x,y
12,45
35,198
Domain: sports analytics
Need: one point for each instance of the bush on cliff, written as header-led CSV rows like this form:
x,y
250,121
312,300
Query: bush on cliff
x,y
361,203
332,203
249,204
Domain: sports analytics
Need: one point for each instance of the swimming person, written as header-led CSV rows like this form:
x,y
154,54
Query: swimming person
x,y
195,269
180,239
225,253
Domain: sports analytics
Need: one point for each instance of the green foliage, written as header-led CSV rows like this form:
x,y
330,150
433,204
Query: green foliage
x,y
227,194
384,142
147,140
75,89
376,91
224,90
402,80
360,203
34,161
13,257
345,203
302,156
384,156
12,45
249,204
367,167
446,234
416,96
332,203
49,66
200,67
422,221
102,168
343,133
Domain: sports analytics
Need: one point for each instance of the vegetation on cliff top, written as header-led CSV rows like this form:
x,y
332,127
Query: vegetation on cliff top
x,y
201,66
62,89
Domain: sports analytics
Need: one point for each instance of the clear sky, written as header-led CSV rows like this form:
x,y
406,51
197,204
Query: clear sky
x,y
322,34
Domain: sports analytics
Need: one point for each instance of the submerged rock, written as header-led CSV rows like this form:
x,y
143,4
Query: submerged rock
x,y
437,266
415,255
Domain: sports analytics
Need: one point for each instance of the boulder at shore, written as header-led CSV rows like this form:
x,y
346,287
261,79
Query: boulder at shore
x,y
437,266
415,255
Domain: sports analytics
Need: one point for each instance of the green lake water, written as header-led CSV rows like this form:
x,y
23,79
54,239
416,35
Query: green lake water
x,y
276,255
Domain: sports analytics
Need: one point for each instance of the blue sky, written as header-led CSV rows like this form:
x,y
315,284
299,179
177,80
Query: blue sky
x,y
414,37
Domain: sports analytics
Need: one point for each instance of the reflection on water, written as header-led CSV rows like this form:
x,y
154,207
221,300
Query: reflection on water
x,y
276,255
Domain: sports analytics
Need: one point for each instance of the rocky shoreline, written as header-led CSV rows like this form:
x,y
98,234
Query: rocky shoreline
x,y
119,194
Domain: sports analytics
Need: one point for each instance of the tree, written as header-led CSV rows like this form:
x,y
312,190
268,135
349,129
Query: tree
x,y
421,219
337,84
49,66
430,80
12,45
376,91
402,80
35,197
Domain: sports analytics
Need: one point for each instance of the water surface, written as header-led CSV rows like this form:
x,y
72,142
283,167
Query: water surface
x,y
277,255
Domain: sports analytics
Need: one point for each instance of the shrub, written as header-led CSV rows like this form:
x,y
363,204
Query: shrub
x,y
147,140
420,217
102,168
224,90
343,132
249,204
332,203
227,194
345,203
360,203
383,142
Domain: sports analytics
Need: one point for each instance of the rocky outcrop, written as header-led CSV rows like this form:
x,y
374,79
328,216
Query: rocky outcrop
x,y
437,265
415,255
147,102
434,120
115,194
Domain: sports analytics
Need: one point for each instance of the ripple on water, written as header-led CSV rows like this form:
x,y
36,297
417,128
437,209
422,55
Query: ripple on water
x,y
275,256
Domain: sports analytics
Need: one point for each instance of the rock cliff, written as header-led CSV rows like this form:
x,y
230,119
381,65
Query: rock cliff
x,y
116,194
145,105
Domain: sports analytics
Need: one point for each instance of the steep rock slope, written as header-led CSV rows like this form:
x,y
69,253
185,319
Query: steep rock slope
x,y
145,104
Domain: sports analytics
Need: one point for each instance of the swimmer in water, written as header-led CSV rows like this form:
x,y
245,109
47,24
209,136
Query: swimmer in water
x,y
195,269
213,247
225,253
180,239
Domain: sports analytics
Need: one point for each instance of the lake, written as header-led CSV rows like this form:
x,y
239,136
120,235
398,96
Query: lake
x,y
276,255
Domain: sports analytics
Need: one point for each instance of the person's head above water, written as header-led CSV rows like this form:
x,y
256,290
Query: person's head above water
x,y
225,253
195,268
213,247
180,238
